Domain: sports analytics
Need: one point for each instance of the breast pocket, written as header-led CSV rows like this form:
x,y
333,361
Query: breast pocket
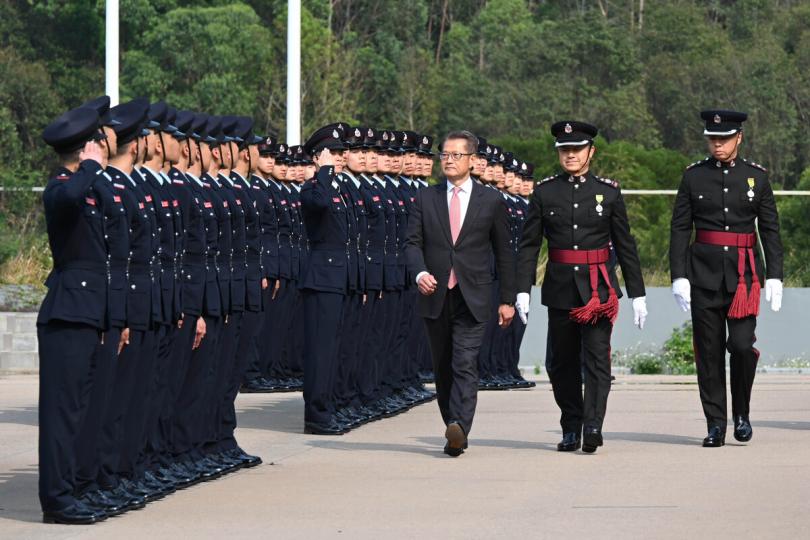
x,y
702,199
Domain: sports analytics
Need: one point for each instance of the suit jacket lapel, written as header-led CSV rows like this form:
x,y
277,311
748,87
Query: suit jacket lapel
x,y
442,210
472,211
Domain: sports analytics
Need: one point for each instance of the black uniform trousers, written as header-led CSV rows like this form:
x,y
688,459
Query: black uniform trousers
x,y
229,380
66,366
455,338
572,346
123,425
323,315
348,364
190,418
89,442
709,322
158,417
372,349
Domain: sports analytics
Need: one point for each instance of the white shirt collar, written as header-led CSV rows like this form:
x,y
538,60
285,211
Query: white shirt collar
x,y
466,186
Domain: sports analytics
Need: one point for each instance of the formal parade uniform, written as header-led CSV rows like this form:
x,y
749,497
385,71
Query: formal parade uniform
x,y
730,207
156,245
584,218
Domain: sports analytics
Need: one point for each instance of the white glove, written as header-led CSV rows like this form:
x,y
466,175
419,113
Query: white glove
x,y
773,293
522,306
682,292
640,311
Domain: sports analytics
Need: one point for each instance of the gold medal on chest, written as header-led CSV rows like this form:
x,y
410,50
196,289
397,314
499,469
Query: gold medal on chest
x,y
599,199
750,188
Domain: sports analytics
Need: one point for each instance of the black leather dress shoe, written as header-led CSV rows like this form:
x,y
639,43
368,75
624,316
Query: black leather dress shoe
x,y
256,386
456,440
99,500
247,460
333,428
75,514
569,443
591,440
715,438
742,429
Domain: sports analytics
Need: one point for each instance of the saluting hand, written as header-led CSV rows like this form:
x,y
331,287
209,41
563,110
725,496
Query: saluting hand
x,y
427,284
92,151
325,158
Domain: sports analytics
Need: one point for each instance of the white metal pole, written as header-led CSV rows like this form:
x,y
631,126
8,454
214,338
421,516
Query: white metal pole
x,y
294,72
111,50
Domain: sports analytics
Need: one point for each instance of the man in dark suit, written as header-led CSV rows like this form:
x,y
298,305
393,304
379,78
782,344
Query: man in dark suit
x,y
454,229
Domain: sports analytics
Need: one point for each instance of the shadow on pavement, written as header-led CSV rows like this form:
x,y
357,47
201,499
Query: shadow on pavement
x,y
18,495
26,416
658,438
776,424
284,416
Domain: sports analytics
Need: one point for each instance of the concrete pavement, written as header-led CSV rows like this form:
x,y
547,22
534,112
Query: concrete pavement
x,y
390,480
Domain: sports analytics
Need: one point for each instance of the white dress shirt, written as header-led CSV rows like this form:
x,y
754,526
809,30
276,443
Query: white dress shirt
x,y
464,193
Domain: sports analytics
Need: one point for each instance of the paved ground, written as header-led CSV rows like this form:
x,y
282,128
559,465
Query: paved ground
x,y
390,479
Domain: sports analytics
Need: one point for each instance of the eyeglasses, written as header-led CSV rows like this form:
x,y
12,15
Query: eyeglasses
x,y
444,156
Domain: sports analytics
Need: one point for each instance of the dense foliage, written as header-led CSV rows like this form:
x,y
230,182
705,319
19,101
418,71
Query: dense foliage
x,y
502,68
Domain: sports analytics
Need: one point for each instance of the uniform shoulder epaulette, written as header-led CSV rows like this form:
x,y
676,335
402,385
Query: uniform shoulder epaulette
x,y
608,181
695,164
548,179
755,165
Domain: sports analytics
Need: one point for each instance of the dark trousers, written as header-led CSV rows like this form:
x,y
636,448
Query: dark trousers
x,y
709,323
135,422
323,313
189,416
455,338
226,387
157,415
65,379
488,354
570,346
276,334
123,425
351,337
371,349
246,349
88,443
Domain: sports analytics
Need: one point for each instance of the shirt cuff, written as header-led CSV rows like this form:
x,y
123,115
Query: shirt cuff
x,y
420,274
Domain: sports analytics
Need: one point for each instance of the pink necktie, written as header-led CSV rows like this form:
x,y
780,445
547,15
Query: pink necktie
x,y
455,227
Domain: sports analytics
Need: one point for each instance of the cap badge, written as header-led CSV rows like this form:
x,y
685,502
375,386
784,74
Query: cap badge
x,y
356,132
404,137
568,128
370,133
424,140
335,134
717,119
523,167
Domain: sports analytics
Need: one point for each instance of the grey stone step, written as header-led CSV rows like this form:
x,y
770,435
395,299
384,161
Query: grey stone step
x,y
18,342
19,361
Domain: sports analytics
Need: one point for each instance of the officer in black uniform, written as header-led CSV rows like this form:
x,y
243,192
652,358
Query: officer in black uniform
x,y
580,214
325,282
73,318
725,199
131,371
